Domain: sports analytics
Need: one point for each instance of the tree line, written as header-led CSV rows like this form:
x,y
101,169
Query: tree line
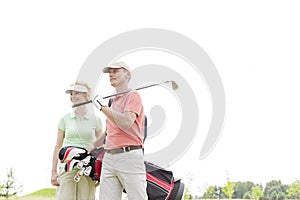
x,y
273,190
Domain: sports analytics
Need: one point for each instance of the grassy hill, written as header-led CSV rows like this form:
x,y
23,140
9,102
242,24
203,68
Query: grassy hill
x,y
43,194
47,192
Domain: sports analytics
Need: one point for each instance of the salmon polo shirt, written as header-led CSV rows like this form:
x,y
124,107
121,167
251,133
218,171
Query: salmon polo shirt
x,y
118,137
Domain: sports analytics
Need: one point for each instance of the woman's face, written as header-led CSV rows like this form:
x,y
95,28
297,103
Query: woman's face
x,y
78,97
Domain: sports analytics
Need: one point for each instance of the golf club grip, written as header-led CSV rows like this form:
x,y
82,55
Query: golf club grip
x,y
80,104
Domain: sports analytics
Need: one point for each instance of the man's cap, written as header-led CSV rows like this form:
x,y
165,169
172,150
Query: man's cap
x,y
116,65
77,88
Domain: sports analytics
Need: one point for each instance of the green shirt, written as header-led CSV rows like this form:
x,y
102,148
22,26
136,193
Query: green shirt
x,y
79,132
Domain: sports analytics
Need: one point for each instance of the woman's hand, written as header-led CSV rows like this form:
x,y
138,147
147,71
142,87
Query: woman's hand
x,y
54,179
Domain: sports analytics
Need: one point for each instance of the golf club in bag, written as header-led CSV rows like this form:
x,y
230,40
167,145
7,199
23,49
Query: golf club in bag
x,y
173,84
78,158
161,184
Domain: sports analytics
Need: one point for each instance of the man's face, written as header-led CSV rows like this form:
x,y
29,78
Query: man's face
x,y
118,77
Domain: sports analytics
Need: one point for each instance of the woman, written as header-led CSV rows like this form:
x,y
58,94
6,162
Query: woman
x,y
79,128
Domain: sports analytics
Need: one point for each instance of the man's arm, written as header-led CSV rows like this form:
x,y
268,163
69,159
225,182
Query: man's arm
x,y
123,120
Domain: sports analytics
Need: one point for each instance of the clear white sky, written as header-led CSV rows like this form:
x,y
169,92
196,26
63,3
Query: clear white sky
x,y
254,45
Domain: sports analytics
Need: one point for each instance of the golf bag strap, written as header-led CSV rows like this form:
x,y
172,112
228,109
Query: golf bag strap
x,y
110,102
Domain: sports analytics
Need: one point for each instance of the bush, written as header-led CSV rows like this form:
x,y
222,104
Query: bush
x,y
8,186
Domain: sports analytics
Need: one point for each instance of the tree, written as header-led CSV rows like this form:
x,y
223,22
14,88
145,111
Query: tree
x,y
247,195
275,190
187,192
293,190
8,187
211,193
256,192
228,189
242,188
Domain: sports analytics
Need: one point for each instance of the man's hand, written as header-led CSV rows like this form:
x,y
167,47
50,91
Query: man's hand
x,y
91,148
98,101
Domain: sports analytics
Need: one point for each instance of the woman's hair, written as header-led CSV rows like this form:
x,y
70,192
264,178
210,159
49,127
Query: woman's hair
x,y
85,85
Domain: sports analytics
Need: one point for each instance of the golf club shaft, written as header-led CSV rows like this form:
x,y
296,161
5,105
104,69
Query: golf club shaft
x,y
113,95
82,103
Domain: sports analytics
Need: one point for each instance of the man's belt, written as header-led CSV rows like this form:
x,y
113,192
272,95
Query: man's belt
x,y
123,149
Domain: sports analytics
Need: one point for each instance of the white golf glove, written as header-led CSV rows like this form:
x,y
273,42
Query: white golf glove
x,y
99,102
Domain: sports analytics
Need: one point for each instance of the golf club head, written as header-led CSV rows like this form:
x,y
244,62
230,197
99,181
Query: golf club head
x,y
174,85
69,152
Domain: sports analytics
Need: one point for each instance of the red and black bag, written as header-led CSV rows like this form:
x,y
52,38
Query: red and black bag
x,y
97,154
161,184
73,157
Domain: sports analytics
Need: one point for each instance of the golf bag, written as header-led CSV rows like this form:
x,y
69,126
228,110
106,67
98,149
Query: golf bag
x,y
161,184
78,158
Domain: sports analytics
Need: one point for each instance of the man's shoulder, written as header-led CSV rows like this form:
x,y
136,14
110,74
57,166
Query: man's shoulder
x,y
134,94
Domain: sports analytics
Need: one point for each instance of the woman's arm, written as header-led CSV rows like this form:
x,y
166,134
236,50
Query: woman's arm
x,y
59,142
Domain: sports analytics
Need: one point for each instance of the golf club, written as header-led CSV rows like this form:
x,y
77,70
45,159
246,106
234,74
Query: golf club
x,y
79,175
87,170
173,83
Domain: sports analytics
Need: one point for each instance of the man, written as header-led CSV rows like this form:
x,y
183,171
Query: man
x,y
123,163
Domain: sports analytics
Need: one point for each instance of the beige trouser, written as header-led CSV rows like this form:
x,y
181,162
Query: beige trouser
x,y
123,170
71,190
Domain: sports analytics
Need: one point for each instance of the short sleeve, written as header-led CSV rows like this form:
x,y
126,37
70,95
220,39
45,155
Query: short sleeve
x,y
99,124
61,124
134,104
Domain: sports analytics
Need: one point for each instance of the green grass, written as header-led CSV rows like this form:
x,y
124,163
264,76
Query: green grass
x,y
43,194
47,192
